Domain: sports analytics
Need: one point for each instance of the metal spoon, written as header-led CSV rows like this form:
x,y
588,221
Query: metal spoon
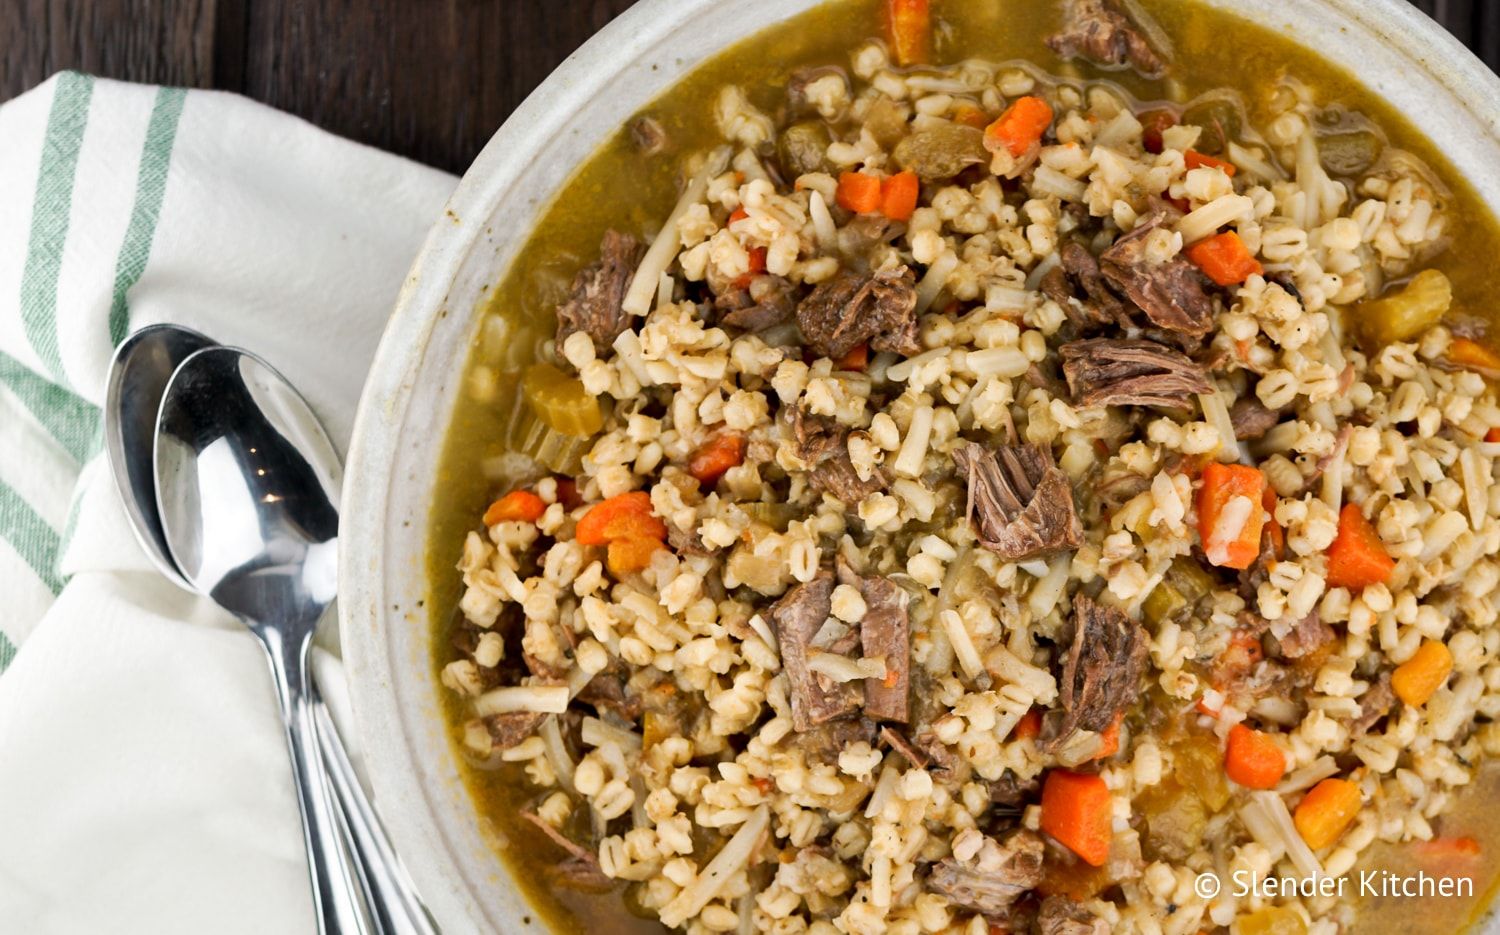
x,y
246,482
138,375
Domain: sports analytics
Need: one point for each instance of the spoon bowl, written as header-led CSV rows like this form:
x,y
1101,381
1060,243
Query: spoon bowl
x,y
247,484
138,375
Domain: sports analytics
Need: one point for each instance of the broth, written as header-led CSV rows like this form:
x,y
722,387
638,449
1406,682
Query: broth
x,y
618,187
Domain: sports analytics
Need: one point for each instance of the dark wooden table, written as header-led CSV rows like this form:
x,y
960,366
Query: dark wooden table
x,y
429,79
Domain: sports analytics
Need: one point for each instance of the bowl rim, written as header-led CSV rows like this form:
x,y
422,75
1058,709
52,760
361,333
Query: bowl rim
x,y
397,369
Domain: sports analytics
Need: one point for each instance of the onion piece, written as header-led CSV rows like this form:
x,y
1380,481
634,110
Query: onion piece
x,y
1203,222
1216,413
827,232
1269,822
557,754
1476,486
1049,587
665,247
766,634
935,279
544,699
963,645
732,858
843,669
1308,776
885,787
596,733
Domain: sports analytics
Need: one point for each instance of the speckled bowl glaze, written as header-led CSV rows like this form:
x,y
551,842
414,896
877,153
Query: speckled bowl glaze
x,y
415,380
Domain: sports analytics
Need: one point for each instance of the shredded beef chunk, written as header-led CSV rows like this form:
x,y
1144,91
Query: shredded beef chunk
x,y
610,691
798,616
797,103
815,437
1251,418
885,632
1374,704
836,476
1100,31
897,741
1078,286
1060,915
1131,372
648,136
598,292
580,870
991,893
1011,791
824,743
1101,672
1305,638
849,310
1020,503
859,236
1173,293
507,730
821,443
766,302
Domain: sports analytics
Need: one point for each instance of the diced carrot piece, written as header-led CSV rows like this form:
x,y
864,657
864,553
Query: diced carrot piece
x,y
908,24
1248,645
1326,811
1153,123
1473,355
630,554
627,515
1419,677
1076,810
858,192
1274,532
717,455
1357,558
1020,127
1029,726
858,358
1493,435
567,493
1253,759
1110,738
898,196
970,116
738,214
1218,507
518,506
1464,846
1196,160
1225,259
757,257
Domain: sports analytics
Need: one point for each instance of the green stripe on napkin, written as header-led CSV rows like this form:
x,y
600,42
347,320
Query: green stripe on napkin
x,y
71,420
7,652
49,216
151,187
30,536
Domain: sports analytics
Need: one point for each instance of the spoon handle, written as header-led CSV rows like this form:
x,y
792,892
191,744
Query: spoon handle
x,y
393,900
334,880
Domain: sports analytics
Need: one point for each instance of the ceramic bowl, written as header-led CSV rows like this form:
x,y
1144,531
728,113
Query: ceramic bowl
x,y
415,380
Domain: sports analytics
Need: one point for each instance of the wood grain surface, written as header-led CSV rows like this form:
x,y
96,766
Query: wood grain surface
x,y
429,79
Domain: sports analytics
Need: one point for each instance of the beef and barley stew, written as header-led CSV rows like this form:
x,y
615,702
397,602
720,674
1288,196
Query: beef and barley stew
x,y
981,467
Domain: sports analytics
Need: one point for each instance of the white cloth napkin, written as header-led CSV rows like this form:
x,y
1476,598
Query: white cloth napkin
x,y
144,784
